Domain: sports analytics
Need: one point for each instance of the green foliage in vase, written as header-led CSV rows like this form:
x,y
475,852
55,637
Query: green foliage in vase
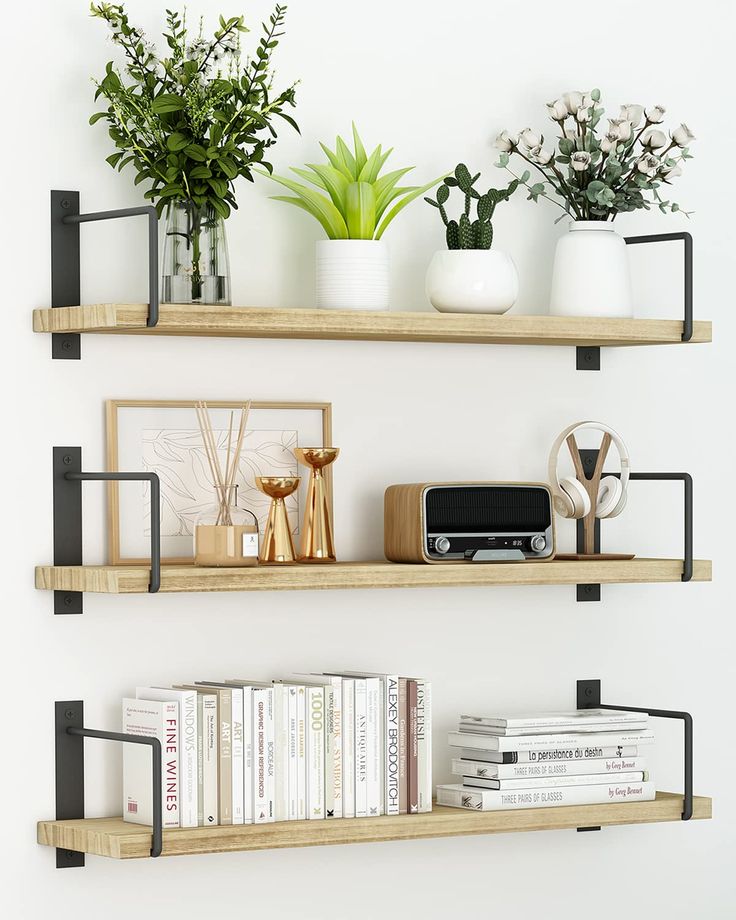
x,y
598,174
466,232
352,197
194,121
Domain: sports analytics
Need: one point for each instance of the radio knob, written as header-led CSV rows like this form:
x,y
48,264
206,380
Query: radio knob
x,y
538,543
441,545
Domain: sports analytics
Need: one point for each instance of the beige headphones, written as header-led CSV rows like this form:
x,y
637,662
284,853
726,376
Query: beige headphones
x,y
571,500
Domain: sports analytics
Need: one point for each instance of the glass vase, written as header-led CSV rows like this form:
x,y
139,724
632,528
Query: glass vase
x,y
226,535
196,266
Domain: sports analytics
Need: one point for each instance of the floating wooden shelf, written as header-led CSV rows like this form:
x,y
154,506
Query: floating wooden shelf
x,y
133,579
115,838
257,322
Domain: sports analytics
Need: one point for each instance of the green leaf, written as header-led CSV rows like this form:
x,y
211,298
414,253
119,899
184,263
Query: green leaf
x,y
348,160
167,102
308,175
334,182
318,206
176,141
372,167
198,153
360,155
360,211
384,188
96,117
222,207
443,193
201,172
397,208
337,162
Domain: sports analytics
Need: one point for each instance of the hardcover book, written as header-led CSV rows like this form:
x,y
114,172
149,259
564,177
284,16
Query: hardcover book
x,y
553,755
263,755
210,751
315,700
152,719
361,757
237,748
604,765
403,750
548,742
553,782
412,770
577,720
458,796
348,747
424,745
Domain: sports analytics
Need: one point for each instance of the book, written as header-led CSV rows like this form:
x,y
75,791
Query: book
x,y
549,741
153,719
553,782
361,758
332,684
210,751
424,745
292,755
577,720
403,740
391,752
412,773
281,751
348,747
237,748
188,747
263,765
603,766
315,702
200,761
554,755
457,796
224,813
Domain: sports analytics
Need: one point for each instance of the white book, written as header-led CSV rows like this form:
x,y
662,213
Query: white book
x,y
574,720
374,746
548,742
188,728
200,761
530,771
263,772
553,755
315,702
424,744
247,689
237,750
361,757
391,751
281,747
152,719
553,782
348,747
292,758
210,752
333,741
458,796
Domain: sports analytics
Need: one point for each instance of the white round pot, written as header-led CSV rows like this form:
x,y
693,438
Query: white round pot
x,y
591,272
472,281
352,275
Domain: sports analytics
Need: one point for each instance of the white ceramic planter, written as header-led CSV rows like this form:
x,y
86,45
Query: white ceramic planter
x,y
472,281
591,272
352,275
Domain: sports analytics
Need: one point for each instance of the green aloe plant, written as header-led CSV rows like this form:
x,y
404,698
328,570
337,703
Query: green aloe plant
x,y
359,202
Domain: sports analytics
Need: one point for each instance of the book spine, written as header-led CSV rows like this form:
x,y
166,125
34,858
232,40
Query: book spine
x,y
238,756
210,770
553,782
281,745
160,720
337,756
571,722
262,806
292,756
491,800
374,747
270,764
603,766
587,745
402,747
412,773
188,765
329,751
424,745
170,752
391,722
315,699
560,755
361,761
200,760
348,747
226,757
247,755
301,753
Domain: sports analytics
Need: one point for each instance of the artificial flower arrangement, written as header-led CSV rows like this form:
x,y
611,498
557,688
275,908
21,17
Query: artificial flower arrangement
x,y
596,175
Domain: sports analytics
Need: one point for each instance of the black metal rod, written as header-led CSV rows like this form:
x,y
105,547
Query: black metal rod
x,y
687,326
155,581
155,745
150,212
687,719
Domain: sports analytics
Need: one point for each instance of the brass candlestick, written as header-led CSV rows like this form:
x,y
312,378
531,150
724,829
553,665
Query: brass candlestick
x,y
277,545
316,543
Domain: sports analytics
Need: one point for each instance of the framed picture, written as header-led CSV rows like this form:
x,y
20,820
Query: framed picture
x,y
163,436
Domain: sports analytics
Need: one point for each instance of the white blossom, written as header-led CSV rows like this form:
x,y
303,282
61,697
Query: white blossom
x,y
557,110
610,142
655,114
671,172
654,139
683,136
648,164
506,142
621,128
540,155
632,113
573,101
529,138
580,160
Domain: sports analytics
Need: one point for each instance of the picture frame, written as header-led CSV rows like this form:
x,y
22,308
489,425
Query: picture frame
x,y
163,436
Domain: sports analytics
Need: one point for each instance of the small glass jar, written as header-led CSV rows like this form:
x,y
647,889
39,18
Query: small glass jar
x,y
226,535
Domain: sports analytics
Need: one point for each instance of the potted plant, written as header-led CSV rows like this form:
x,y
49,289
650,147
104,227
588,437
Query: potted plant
x,y
354,203
470,277
190,124
593,175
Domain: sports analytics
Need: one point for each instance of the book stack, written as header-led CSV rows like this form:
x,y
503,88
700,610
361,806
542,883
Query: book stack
x,y
538,760
308,747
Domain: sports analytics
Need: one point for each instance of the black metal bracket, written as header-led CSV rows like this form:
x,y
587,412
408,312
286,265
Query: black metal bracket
x,y
70,733
588,357
589,697
68,479
592,592
65,261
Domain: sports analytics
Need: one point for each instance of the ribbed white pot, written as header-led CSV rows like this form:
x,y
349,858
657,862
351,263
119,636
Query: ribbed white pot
x,y
472,281
352,275
591,272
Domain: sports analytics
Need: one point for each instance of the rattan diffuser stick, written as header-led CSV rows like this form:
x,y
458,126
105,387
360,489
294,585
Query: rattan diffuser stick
x,y
223,483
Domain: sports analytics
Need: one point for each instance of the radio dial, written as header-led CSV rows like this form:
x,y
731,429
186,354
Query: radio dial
x,y
538,543
441,545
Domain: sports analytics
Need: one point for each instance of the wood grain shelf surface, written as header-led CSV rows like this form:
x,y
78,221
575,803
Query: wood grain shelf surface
x,y
426,326
133,579
115,838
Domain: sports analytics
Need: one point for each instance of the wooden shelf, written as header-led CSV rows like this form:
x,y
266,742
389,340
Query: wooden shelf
x,y
426,326
133,579
115,838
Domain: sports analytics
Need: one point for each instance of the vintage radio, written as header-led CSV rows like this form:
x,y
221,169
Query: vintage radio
x,y
464,521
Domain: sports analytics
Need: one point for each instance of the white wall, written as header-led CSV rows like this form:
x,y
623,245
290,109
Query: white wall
x,y
437,80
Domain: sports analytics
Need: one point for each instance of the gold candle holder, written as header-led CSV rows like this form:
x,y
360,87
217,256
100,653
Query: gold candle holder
x,y
277,545
316,542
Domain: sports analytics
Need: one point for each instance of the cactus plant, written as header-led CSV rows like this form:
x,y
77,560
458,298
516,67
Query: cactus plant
x,y
466,233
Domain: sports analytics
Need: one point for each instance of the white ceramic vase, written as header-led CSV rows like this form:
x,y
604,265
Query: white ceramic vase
x,y
591,272
352,275
472,281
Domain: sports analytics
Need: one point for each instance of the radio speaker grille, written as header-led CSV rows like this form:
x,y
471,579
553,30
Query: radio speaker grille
x,y
493,509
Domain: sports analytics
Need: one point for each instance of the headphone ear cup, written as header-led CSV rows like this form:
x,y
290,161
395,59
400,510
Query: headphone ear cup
x,y
610,495
621,504
577,497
